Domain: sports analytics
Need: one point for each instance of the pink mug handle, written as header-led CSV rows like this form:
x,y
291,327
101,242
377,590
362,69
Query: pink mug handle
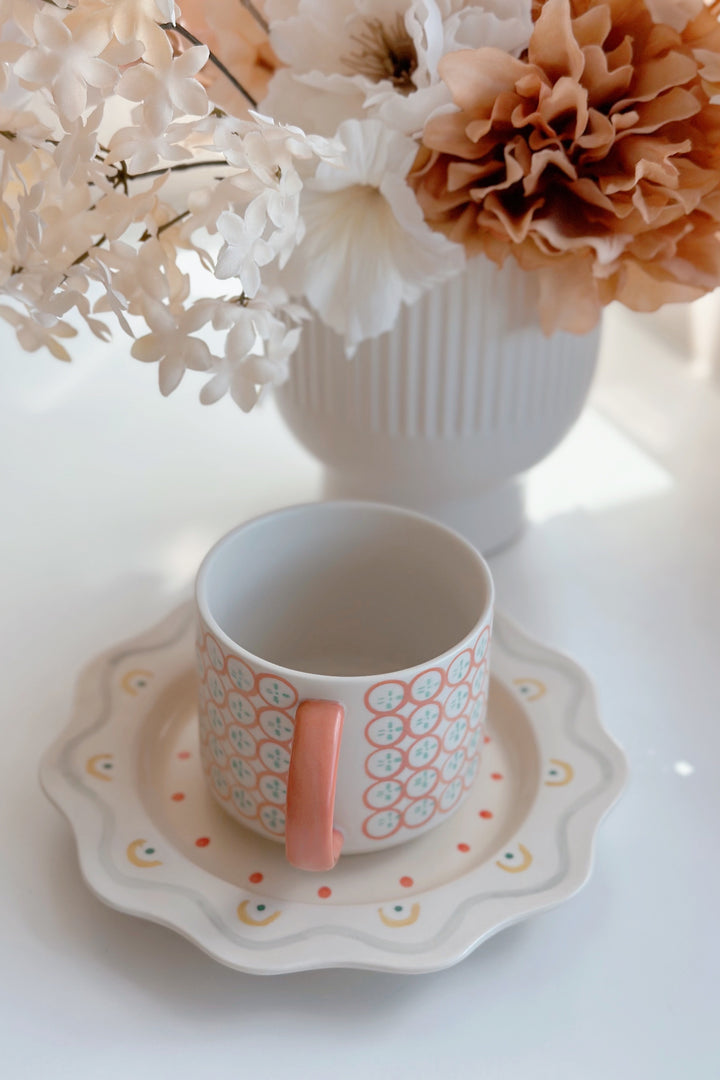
x,y
311,842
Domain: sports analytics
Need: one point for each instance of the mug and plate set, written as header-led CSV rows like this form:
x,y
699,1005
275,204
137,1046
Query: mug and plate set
x,y
338,755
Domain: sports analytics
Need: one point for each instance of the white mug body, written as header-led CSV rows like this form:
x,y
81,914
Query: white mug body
x,y
377,609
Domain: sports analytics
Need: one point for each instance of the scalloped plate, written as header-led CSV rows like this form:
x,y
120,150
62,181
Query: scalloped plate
x,y
126,773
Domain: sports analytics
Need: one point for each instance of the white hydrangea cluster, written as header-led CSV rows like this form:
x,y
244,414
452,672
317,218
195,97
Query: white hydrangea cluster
x,y
109,107
96,116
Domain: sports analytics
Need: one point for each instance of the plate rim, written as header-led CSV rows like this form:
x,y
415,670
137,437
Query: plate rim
x,y
458,936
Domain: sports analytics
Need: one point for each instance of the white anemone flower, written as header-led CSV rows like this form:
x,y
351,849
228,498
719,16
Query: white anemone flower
x,y
367,58
367,247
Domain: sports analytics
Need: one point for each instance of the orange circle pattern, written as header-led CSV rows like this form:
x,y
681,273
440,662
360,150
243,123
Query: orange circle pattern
x,y
423,739
246,729
443,714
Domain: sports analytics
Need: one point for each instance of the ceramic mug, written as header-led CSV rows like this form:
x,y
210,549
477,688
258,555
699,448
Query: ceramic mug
x,y
343,659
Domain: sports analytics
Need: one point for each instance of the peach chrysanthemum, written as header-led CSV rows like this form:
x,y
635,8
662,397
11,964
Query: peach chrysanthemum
x,y
594,159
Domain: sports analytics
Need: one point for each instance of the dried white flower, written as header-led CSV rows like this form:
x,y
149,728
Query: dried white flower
x,y
167,89
170,342
67,65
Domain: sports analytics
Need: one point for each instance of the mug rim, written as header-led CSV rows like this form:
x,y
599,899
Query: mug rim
x,y
200,591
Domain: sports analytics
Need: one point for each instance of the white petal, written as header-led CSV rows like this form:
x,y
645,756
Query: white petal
x,y
232,228
147,349
98,73
137,83
262,252
51,32
250,278
37,67
200,314
230,260
190,62
213,390
240,341
160,320
318,109
190,98
196,354
244,393
367,249
70,95
256,215
167,10
170,375
157,114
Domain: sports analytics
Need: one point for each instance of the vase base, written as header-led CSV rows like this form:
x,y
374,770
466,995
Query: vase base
x,y
490,520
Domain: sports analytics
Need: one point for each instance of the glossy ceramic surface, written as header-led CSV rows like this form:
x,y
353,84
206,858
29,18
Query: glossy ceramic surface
x,y
154,843
385,613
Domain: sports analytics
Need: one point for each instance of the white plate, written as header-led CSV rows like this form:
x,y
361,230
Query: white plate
x,y
152,842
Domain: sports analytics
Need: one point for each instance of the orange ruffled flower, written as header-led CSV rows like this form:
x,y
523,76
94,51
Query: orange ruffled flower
x,y
594,159
235,37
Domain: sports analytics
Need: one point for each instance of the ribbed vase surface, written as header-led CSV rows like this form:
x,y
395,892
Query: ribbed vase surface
x,y
443,413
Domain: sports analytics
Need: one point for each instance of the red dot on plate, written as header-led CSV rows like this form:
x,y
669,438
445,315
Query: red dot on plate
x,y
202,841
496,776
406,882
486,739
184,755
324,891
178,796
487,814
463,847
256,878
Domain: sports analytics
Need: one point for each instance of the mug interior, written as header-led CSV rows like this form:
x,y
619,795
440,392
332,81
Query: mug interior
x,y
344,589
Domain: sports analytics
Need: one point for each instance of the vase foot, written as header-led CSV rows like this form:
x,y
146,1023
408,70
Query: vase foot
x,y
491,520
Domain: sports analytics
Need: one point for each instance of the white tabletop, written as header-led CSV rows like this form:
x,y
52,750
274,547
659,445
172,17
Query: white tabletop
x,y
109,496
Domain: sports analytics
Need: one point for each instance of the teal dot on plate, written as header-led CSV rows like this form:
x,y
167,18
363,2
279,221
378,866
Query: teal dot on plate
x,y
149,850
398,907
509,855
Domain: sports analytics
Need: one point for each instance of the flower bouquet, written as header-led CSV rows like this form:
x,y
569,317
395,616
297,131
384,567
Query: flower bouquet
x,y
206,174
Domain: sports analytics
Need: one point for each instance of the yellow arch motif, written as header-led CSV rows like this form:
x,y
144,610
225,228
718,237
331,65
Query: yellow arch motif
x,y
527,861
245,917
407,921
531,689
91,766
567,773
132,854
134,681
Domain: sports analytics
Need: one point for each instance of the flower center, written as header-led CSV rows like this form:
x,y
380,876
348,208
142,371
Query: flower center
x,y
384,52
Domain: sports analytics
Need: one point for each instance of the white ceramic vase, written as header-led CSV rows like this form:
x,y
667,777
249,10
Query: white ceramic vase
x,y
443,413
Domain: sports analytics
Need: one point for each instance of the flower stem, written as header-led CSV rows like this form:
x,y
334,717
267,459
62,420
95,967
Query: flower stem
x,y
262,22
183,166
98,243
86,254
162,228
183,32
